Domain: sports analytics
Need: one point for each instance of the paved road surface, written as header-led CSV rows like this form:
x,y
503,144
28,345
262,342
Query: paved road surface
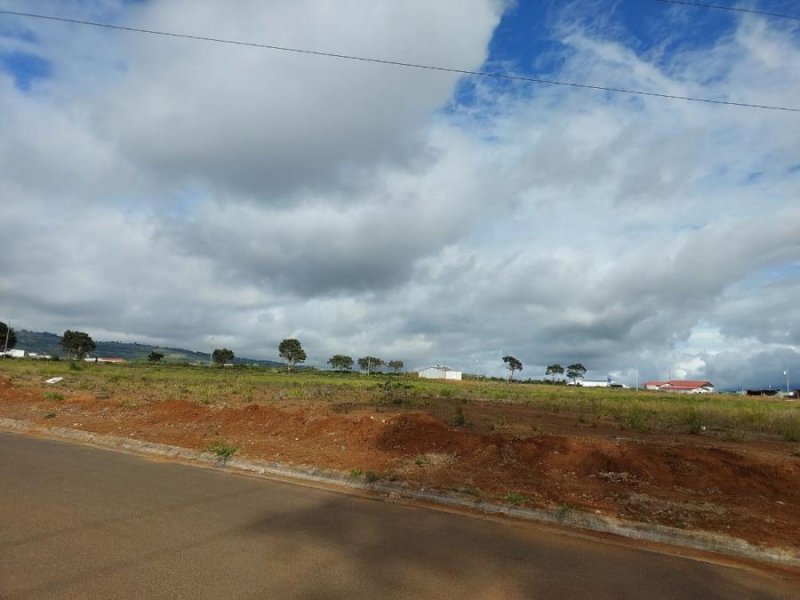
x,y
78,522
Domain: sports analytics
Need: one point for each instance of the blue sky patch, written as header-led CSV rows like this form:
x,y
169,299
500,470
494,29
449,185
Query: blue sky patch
x,y
26,68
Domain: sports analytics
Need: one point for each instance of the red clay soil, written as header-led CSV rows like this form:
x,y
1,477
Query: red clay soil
x,y
749,489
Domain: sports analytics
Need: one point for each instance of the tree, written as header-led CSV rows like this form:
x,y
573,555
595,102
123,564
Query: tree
x,y
554,370
77,343
575,372
370,363
341,362
155,357
292,351
8,339
395,365
221,355
512,364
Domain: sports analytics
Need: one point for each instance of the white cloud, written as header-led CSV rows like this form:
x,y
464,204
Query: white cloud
x,y
194,194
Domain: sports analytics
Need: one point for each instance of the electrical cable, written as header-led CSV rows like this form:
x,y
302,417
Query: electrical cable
x,y
732,8
487,74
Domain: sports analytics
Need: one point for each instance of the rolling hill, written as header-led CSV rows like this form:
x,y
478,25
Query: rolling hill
x,y
44,342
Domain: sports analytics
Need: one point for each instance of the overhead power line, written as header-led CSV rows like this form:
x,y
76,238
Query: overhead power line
x,y
731,8
397,63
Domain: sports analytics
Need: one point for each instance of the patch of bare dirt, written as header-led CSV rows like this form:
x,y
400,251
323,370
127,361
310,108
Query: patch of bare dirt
x,y
748,489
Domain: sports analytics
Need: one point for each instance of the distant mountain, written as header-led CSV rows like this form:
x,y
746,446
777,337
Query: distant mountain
x,y
43,342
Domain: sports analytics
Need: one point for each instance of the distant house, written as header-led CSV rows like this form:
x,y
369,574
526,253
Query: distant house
x,y
14,353
114,360
594,383
607,382
439,372
681,386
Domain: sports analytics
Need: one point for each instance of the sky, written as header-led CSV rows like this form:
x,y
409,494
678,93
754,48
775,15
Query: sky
x,y
201,195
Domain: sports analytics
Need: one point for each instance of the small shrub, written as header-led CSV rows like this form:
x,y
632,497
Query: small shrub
x,y
75,366
371,476
515,498
458,419
636,419
562,512
355,473
734,436
223,451
791,432
787,425
694,422
54,396
395,392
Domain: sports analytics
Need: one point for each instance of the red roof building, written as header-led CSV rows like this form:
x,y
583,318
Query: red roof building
x,y
681,386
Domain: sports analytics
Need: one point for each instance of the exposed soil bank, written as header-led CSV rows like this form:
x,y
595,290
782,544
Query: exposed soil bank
x,y
748,489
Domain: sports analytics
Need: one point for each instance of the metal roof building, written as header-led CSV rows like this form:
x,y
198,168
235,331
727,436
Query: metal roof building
x,y
439,372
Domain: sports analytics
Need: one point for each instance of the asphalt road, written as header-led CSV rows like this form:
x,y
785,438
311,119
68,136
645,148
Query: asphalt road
x,y
78,522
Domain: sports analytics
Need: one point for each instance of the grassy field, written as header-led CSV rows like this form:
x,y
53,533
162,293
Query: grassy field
x,y
731,417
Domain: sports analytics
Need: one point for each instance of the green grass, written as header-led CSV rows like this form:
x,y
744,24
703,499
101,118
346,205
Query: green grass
x,y
790,428
562,512
458,418
222,450
515,498
639,411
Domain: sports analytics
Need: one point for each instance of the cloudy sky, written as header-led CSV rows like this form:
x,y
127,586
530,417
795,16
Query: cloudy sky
x,y
197,194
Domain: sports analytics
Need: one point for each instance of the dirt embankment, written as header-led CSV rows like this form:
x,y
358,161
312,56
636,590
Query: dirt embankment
x,y
746,489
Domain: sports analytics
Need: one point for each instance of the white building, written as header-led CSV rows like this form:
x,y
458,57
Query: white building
x,y
14,353
608,382
439,372
594,383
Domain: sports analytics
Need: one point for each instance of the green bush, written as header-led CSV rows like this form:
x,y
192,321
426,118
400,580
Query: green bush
x,y
222,450
790,431
458,419
515,498
694,421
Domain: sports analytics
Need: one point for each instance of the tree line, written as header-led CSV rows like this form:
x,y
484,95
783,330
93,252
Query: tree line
x,y
291,350
369,364
574,371
78,344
